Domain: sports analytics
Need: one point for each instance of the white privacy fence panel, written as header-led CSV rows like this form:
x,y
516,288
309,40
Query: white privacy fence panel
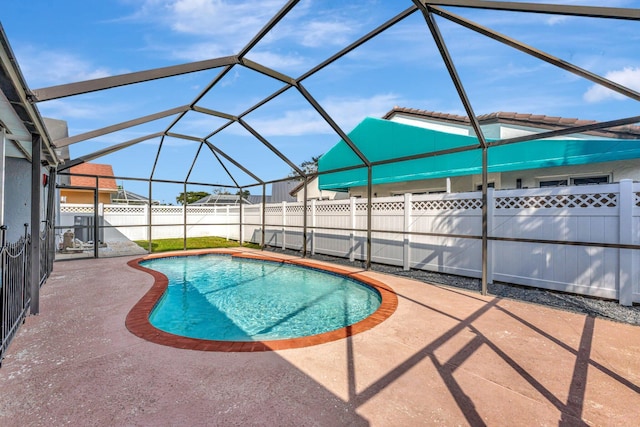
x,y
446,214
332,214
252,223
387,213
132,221
635,239
440,232
576,214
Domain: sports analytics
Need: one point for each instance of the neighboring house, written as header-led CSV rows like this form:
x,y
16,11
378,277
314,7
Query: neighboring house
x,y
81,188
124,197
314,193
588,158
256,199
281,191
220,200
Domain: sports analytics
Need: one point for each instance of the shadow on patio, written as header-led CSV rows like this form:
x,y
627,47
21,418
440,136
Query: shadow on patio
x,y
445,357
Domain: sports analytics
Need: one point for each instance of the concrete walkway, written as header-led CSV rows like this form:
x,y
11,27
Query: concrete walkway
x,y
445,357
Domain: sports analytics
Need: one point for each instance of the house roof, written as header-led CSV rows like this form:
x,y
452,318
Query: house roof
x,y
220,199
521,119
96,169
382,140
123,196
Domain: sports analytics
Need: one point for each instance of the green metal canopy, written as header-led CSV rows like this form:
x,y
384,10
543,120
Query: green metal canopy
x,y
380,140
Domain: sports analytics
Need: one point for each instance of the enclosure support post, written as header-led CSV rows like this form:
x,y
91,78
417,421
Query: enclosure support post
x,y
284,225
352,234
264,202
625,288
485,212
2,172
369,195
304,220
149,216
36,144
406,251
313,227
184,218
240,239
96,217
491,212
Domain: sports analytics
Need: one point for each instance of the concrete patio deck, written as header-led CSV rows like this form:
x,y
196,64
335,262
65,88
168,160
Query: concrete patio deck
x,y
445,357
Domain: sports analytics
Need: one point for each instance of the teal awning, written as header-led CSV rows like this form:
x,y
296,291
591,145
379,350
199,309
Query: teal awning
x,y
381,140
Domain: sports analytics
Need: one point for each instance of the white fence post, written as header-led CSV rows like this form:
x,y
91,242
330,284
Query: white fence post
x,y
491,210
228,222
625,274
241,216
352,235
313,227
284,223
146,217
406,251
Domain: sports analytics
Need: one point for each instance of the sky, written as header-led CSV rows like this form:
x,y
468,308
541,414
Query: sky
x,y
74,40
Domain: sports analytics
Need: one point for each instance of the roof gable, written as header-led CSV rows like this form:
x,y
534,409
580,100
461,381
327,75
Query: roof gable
x,y
539,121
95,169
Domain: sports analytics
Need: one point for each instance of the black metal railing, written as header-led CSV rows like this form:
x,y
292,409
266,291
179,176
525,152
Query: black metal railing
x,y
47,251
15,291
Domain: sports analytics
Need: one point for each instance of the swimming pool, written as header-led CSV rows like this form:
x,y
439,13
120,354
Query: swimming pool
x,y
204,301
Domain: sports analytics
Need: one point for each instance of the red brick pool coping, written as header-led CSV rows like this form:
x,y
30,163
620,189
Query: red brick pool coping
x,y
137,321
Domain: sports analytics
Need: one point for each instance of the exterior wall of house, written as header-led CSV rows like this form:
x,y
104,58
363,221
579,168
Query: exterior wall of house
x,y
458,184
18,197
314,193
490,131
432,124
83,196
616,171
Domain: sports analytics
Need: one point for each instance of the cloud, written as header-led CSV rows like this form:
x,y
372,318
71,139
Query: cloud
x,y
279,62
50,67
322,33
628,76
213,28
348,112
224,26
59,108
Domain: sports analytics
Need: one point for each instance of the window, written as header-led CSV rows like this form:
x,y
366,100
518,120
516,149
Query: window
x,y
553,183
590,180
489,185
579,180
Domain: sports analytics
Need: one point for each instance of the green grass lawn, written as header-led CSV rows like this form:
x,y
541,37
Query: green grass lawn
x,y
163,245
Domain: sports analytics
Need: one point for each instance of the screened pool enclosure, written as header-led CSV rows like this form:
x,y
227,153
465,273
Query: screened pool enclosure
x,y
233,148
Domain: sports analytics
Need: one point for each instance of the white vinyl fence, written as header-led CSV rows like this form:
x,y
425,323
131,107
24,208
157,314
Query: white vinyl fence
x,y
441,232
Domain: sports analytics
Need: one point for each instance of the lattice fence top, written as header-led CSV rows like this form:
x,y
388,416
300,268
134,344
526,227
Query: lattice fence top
x,y
124,209
273,209
295,209
76,209
381,206
441,205
204,209
167,209
596,200
638,199
333,208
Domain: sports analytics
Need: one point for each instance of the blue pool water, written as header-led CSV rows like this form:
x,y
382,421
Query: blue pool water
x,y
229,299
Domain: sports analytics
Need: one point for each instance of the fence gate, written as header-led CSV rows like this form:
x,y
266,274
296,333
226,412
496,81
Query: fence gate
x,y
82,235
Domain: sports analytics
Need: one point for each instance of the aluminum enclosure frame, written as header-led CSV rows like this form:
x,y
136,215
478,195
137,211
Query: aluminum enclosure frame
x,y
429,9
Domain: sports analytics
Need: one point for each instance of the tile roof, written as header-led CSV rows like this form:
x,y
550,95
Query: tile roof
x,y
522,119
108,184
